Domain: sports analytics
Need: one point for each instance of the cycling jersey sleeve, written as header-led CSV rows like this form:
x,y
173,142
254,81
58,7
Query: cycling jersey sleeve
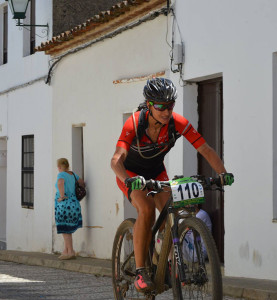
x,y
128,133
184,127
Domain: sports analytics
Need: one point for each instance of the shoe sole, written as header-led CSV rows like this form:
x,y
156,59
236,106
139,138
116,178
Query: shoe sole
x,y
145,290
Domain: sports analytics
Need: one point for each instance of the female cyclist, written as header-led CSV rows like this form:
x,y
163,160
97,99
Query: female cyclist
x,y
146,138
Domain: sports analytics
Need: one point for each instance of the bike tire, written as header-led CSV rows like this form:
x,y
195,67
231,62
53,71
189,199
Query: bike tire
x,y
123,286
163,260
205,273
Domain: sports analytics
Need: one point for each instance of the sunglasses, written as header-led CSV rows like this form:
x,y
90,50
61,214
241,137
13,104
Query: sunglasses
x,y
162,107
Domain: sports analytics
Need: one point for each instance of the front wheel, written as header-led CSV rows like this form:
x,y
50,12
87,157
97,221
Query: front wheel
x,y
124,265
201,263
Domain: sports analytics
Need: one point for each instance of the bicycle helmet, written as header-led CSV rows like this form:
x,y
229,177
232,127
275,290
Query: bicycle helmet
x,y
160,90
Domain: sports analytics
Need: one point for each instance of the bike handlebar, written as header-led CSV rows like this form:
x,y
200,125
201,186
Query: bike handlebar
x,y
207,182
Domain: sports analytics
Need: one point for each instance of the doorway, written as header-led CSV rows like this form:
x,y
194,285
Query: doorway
x,y
3,192
78,151
210,109
129,210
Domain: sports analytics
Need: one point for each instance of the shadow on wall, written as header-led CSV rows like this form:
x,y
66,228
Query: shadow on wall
x,y
3,245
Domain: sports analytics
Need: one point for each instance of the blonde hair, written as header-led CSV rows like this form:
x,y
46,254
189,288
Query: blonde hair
x,y
63,163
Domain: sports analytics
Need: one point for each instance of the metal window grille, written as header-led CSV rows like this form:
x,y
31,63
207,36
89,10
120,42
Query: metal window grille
x,y
27,174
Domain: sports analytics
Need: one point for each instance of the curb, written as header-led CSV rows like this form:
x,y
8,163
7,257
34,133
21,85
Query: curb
x,y
79,264
253,289
237,287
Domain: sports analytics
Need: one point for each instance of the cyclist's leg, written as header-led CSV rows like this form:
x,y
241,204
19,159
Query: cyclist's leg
x,y
145,207
161,198
142,235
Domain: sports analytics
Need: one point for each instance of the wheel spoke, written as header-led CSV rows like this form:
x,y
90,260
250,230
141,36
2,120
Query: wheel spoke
x,y
202,269
124,267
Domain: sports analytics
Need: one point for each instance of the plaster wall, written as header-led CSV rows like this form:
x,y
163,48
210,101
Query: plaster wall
x,y
25,108
3,170
3,189
20,70
234,38
84,92
29,229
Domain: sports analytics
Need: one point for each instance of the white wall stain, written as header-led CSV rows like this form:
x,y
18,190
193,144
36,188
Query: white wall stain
x,y
257,258
244,251
116,208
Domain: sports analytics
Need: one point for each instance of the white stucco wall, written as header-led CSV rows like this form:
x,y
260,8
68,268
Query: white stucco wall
x,y
3,169
30,113
83,92
19,69
25,108
235,38
3,189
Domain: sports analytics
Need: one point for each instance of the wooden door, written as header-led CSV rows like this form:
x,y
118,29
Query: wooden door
x,y
210,109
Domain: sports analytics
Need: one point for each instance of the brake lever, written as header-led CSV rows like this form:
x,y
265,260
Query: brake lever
x,y
152,192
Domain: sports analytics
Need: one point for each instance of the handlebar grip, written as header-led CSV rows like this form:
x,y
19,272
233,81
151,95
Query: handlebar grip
x,y
128,184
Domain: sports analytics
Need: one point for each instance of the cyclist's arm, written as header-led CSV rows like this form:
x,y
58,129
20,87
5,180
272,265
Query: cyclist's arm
x,y
198,142
122,148
212,158
117,163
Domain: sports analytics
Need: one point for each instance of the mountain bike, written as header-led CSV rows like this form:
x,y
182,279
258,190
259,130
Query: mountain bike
x,y
193,275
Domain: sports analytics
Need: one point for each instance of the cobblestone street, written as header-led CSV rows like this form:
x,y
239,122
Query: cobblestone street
x,y
19,281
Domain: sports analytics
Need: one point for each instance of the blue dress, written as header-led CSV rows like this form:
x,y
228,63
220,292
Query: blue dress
x,y
68,215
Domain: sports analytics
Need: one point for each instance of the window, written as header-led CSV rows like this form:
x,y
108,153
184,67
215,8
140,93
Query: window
x,y
129,210
27,173
3,35
29,34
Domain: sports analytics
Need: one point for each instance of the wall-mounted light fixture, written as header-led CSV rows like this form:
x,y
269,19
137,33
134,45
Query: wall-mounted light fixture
x,y
18,9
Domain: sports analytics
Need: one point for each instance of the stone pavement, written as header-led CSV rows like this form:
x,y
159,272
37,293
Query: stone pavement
x,y
233,286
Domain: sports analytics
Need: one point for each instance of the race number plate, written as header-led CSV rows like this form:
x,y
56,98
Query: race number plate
x,y
186,191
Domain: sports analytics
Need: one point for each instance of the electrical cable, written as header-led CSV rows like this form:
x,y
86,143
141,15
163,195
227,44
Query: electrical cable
x,y
179,68
148,17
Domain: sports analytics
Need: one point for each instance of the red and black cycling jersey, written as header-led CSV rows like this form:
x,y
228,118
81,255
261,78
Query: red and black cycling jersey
x,y
151,168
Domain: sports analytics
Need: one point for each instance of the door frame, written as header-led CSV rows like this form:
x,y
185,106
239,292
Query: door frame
x,y
217,198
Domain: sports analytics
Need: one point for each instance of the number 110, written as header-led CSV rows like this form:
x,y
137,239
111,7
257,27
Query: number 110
x,y
189,188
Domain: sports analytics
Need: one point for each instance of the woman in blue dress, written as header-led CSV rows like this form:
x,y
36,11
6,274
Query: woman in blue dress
x,y
68,215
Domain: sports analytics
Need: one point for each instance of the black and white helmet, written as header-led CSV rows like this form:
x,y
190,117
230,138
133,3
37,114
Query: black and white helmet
x,y
160,90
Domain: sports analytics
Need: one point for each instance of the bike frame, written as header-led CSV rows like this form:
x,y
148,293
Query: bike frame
x,y
170,236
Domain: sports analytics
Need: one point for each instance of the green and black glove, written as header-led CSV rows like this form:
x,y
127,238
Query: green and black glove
x,y
135,183
227,178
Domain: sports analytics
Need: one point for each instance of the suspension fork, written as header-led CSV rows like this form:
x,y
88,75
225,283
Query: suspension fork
x,y
173,221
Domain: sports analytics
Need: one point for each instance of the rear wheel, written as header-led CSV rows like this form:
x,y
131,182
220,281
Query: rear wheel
x,y
123,264
202,267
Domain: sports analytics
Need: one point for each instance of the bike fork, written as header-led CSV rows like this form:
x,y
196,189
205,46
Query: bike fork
x,y
176,244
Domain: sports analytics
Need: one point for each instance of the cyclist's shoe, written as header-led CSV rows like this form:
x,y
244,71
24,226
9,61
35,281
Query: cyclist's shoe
x,y
143,282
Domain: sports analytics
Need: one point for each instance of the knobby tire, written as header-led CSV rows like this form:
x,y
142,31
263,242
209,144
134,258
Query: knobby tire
x,y
122,288
212,288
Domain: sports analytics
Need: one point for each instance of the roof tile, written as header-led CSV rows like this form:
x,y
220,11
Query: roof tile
x,y
95,21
